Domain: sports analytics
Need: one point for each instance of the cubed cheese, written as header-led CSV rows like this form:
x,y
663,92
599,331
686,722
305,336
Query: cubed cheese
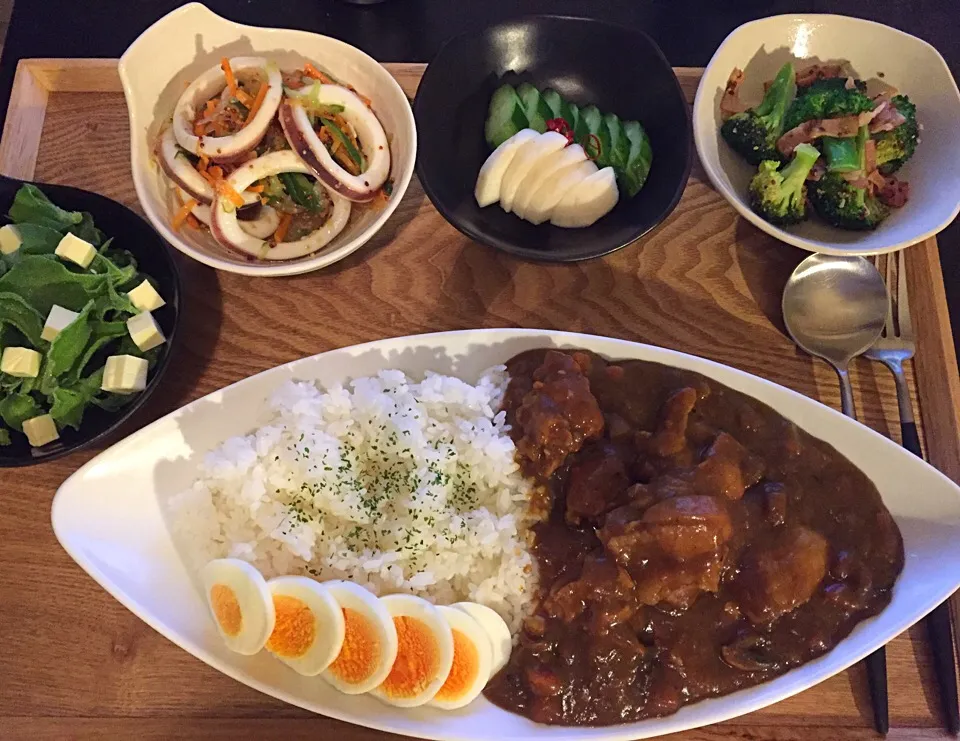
x,y
21,362
40,430
124,374
144,331
57,321
76,250
145,297
9,239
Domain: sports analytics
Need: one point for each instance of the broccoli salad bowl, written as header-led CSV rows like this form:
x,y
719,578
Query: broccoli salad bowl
x,y
833,134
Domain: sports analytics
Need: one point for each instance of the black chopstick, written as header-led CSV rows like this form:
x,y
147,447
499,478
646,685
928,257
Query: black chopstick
x,y
941,645
876,664
939,629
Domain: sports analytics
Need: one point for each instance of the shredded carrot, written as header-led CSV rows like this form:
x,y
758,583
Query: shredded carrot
x,y
255,188
258,101
214,176
282,229
211,107
183,213
199,129
228,72
310,71
193,222
204,162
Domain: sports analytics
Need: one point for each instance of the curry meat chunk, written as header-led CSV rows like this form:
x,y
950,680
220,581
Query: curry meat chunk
x,y
596,483
673,551
603,587
557,415
777,578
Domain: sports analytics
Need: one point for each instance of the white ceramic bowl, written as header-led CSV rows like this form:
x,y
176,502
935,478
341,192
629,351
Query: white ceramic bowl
x,y
761,47
110,517
156,68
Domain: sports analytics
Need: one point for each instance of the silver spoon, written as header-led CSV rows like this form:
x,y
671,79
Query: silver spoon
x,y
834,308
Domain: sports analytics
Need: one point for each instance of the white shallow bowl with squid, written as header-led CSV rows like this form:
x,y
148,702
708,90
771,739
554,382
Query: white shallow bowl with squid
x,y
109,517
913,66
188,42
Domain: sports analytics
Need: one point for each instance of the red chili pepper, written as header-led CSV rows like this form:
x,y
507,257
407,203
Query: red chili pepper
x,y
561,126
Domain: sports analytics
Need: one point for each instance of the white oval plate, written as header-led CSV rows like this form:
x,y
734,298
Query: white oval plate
x,y
761,47
109,518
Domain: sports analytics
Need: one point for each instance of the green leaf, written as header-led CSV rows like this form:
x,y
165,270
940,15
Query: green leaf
x,y
42,282
37,239
18,313
68,346
4,436
68,406
86,230
17,408
30,205
101,334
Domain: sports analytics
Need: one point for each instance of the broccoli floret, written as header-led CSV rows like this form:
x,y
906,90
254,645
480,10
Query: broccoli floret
x,y
895,147
828,98
780,196
753,134
844,205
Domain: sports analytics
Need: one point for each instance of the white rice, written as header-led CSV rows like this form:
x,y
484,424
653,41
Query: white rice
x,y
395,485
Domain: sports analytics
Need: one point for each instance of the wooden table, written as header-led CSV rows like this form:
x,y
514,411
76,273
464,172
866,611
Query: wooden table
x,y
75,664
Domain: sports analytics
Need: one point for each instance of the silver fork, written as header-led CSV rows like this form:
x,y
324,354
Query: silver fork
x,y
894,347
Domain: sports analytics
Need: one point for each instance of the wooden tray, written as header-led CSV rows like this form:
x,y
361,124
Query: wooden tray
x,y
76,664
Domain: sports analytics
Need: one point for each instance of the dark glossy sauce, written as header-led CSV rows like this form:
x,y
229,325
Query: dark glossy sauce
x,y
677,562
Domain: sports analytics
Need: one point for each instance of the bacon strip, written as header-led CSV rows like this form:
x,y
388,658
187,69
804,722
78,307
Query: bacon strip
x,y
730,103
845,126
895,193
814,72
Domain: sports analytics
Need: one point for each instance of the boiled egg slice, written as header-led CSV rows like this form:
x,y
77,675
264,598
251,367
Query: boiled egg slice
x,y
424,652
542,172
309,627
240,603
369,642
487,190
588,201
496,629
550,193
472,659
523,163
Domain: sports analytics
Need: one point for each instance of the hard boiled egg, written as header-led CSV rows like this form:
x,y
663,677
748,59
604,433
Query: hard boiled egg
x,y
472,661
487,190
525,160
369,642
496,629
550,193
309,628
424,652
587,201
542,172
240,603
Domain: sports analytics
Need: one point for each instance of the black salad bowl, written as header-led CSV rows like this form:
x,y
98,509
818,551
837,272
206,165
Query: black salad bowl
x,y
154,258
618,69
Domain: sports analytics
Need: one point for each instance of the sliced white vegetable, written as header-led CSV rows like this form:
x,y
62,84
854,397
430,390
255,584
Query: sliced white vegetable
x,y
305,142
549,194
487,191
524,161
588,201
542,172
209,84
226,227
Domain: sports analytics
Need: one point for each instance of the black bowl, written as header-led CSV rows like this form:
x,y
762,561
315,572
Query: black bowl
x,y
154,258
616,68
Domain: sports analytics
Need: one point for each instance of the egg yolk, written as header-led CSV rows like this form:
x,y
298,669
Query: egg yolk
x,y
295,629
466,660
226,609
360,653
418,657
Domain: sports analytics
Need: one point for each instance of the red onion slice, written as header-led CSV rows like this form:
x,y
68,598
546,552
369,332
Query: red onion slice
x,y
227,229
211,82
305,142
